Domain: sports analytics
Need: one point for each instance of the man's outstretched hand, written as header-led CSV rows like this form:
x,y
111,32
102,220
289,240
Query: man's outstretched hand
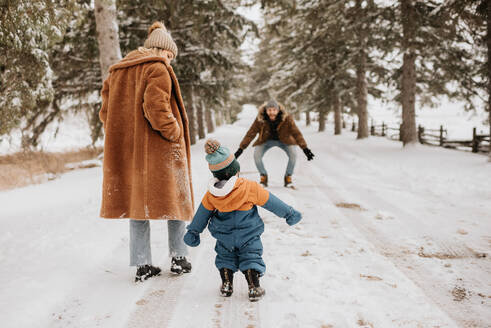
x,y
308,153
238,153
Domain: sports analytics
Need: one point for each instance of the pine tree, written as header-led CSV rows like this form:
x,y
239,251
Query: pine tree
x,y
488,44
362,31
408,85
208,35
76,64
28,31
437,58
312,51
476,17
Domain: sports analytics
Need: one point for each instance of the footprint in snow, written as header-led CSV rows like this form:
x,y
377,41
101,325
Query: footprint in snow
x,y
384,216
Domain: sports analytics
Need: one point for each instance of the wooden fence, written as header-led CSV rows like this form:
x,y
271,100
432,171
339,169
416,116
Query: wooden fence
x,y
434,137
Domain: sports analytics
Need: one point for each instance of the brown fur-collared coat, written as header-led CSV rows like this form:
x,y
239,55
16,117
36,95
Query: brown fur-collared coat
x,y
147,172
288,132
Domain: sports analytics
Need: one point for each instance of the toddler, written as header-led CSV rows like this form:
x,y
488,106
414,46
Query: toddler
x,y
230,212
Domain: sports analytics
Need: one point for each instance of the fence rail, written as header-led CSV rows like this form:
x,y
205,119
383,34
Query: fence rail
x,y
433,137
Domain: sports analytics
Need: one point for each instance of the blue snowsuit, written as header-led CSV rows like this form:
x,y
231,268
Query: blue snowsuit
x,y
229,209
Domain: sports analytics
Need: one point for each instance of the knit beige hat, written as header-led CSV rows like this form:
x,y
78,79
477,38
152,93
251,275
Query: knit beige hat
x,y
158,37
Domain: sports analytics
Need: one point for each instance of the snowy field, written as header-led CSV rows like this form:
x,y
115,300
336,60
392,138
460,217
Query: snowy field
x,y
389,238
72,133
451,115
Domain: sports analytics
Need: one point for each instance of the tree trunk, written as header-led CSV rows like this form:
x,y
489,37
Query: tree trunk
x,y
201,120
228,117
190,111
361,97
338,123
307,118
488,41
107,34
297,115
322,119
210,127
361,81
218,118
408,90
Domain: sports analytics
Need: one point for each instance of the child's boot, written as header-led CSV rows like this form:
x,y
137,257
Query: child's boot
x,y
288,181
227,276
256,292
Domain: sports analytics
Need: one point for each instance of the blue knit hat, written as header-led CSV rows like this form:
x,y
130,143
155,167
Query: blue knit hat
x,y
218,157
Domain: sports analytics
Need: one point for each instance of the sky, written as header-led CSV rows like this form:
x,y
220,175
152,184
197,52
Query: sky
x,y
251,44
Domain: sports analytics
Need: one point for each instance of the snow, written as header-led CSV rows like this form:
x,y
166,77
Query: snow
x,y
73,132
451,115
389,238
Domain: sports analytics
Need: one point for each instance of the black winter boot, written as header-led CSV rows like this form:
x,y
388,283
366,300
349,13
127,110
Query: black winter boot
x,y
179,265
227,276
146,271
256,292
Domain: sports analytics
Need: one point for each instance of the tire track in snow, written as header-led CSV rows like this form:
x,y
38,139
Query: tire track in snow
x,y
156,308
237,310
432,288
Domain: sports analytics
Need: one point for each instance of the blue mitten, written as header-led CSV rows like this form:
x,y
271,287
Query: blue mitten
x,y
191,238
278,207
293,216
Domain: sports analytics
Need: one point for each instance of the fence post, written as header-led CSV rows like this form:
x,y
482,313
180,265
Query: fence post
x,y
353,128
420,134
475,141
383,129
441,135
372,129
344,124
400,132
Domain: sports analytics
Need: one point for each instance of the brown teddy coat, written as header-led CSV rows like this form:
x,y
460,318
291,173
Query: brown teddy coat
x,y
147,172
288,132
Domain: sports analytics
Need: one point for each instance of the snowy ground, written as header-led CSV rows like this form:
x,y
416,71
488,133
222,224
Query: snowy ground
x,y
390,238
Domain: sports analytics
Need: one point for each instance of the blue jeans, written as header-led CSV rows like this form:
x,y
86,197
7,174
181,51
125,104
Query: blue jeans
x,y
140,252
260,150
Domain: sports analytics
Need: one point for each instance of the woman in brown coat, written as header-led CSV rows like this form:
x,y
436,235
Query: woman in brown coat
x,y
276,128
147,173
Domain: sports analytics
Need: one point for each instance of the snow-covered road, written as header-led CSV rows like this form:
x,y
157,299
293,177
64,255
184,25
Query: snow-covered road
x,y
389,238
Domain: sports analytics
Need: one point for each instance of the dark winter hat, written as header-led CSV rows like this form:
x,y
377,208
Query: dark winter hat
x,y
272,103
158,37
228,172
221,162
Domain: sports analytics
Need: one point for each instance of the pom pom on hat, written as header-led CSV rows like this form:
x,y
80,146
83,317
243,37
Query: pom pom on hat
x,y
154,26
218,156
211,146
159,37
